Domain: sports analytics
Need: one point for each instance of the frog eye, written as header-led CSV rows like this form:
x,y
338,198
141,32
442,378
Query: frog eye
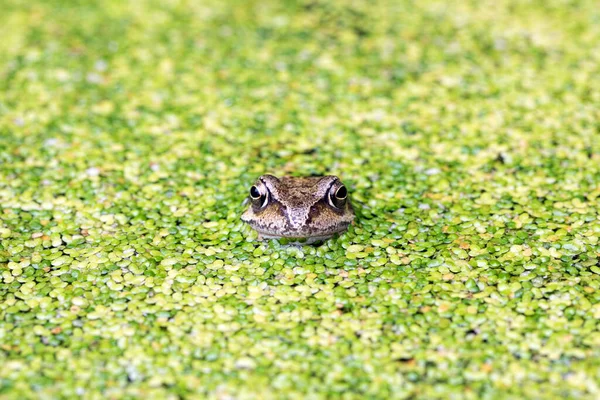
x,y
341,193
337,196
254,193
259,195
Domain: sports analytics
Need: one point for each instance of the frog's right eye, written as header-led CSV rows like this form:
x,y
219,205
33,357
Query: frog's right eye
x,y
254,193
259,196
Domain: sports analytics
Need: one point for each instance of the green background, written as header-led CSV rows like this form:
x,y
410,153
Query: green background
x,y
466,131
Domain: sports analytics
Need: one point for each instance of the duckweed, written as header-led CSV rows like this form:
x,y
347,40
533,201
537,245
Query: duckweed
x,y
467,132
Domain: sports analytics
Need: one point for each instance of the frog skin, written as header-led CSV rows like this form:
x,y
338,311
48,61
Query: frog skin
x,y
313,208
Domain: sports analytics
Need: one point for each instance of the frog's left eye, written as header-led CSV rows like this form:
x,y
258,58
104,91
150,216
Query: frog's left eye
x,y
338,196
259,195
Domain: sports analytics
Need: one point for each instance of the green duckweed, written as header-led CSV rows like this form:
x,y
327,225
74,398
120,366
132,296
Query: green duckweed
x,y
468,136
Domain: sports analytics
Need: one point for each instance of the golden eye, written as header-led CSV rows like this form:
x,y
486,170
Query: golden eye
x,y
337,197
259,196
341,193
254,193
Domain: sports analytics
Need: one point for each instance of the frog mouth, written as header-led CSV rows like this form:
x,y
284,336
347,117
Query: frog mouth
x,y
299,240
303,232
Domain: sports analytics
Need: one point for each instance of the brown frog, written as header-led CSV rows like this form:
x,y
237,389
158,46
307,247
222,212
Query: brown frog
x,y
314,208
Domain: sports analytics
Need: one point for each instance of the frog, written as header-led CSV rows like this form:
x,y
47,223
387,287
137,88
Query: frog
x,y
309,209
